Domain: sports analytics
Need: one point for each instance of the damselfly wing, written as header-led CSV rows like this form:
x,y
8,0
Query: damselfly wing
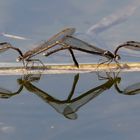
x,y
53,41
77,43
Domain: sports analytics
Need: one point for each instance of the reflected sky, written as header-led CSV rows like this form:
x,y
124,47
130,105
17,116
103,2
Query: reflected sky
x,y
37,111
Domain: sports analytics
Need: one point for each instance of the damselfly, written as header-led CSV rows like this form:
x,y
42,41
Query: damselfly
x,y
53,41
6,46
132,45
73,43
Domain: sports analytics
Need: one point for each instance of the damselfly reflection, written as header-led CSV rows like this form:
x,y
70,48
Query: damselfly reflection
x,y
69,106
132,89
5,93
129,90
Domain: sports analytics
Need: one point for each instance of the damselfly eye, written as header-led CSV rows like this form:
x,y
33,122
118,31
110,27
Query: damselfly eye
x,y
19,59
117,57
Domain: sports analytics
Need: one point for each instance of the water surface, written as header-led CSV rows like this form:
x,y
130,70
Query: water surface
x,y
70,106
65,106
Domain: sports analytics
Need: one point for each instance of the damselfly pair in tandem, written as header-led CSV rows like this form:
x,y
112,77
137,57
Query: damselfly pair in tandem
x,y
65,41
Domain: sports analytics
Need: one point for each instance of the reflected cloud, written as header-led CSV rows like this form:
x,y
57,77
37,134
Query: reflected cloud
x,y
6,128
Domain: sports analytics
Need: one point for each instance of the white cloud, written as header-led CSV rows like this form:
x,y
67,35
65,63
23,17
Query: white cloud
x,y
117,17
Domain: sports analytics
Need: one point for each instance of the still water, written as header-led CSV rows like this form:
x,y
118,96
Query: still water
x,y
70,106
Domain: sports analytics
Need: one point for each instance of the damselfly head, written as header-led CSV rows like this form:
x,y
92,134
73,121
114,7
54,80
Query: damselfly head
x,y
117,57
19,58
109,54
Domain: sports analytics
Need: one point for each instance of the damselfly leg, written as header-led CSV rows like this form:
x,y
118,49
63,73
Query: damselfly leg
x,y
73,57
